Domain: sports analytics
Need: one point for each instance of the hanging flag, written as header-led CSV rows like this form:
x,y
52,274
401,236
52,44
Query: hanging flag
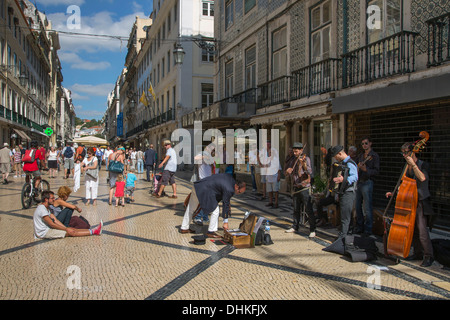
x,y
143,99
152,92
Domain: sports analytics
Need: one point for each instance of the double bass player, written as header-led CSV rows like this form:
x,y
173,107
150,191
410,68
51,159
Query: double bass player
x,y
419,171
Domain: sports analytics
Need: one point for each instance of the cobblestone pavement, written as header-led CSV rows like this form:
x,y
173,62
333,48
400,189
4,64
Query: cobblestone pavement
x,y
142,255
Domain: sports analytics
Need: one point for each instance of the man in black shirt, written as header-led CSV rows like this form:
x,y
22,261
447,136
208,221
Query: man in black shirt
x,y
368,167
150,161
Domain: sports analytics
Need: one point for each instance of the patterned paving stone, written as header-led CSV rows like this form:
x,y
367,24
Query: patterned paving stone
x,y
141,255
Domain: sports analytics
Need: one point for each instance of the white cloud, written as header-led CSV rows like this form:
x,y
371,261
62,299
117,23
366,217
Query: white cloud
x,y
102,23
76,96
88,114
76,62
93,90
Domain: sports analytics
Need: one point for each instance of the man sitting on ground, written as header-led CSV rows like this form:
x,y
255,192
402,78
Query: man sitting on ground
x,y
47,226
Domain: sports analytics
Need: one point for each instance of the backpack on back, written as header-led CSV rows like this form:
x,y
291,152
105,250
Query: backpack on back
x,y
29,156
68,153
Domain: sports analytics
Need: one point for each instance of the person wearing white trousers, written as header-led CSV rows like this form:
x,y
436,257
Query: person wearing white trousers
x,y
91,163
191,209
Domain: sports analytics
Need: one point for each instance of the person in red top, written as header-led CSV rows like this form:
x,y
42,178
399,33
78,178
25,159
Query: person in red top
x,y
32,168
42,164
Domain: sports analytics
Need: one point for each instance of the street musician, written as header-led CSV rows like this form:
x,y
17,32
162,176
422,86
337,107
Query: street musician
x,y
347,186
300,172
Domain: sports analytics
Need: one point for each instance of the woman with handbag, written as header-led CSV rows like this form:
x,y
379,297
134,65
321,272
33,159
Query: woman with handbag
x,y
115,167
90,167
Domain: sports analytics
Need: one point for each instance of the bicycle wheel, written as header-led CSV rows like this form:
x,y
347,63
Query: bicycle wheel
x,y
44,186
26,196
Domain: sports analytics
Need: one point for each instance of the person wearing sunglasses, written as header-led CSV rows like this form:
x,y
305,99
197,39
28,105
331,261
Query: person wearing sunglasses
x,y
47,226
368,168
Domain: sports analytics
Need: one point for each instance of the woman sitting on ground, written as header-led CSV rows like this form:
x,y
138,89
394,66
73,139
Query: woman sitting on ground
x,y
61,208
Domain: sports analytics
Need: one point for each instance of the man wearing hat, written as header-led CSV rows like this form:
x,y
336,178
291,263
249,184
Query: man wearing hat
x,y
168,175
348,191
300,172
5,162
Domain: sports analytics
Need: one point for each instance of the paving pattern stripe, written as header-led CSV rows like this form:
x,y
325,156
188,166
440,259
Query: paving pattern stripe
x,y
181,280
17,215
205,264
23,247
159,243
325,243
363,284
178,282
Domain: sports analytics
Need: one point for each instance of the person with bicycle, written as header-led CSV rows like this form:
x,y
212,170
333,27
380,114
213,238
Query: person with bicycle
x,y
32,168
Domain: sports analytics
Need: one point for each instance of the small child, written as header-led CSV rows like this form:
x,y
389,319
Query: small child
x,y
130,185
120,190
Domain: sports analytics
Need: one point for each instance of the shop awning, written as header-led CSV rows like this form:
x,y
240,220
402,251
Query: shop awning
x,y
410,92
23,135
298,113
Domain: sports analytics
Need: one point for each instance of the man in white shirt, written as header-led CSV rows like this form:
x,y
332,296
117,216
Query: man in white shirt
x,y
47,226
168,175
133,158
106,155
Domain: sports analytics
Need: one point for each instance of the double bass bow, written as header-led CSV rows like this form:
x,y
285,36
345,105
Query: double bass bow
x,y
399,231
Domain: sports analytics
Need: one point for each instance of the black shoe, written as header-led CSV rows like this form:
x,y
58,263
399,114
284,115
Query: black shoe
x,y
414,257
427,262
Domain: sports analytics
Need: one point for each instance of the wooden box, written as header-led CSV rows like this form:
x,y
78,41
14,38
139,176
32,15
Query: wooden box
x,y
242,237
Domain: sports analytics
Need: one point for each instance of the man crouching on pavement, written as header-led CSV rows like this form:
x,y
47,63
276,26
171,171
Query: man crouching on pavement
x,y
206,194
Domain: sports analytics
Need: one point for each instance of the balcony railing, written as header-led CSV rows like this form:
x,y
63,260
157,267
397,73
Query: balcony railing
x,y
274,92
438,40
246,100
390,56
19,119
318,78
147,124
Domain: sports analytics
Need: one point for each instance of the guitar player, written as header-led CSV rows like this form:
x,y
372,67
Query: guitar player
x,y
368,169
347,190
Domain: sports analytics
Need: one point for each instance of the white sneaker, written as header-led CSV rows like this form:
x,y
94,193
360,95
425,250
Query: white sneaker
x,y
312,235
291,230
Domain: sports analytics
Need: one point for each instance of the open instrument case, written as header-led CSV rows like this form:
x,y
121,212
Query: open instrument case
x,y
244,237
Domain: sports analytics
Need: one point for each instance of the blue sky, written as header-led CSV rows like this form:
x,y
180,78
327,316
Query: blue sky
x,y
91,65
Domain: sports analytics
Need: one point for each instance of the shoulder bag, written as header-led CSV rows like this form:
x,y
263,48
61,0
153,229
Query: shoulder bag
x,y
93,173
115,166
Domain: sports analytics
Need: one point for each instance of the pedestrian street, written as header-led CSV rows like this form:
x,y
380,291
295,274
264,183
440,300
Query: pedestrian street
x,y
142,255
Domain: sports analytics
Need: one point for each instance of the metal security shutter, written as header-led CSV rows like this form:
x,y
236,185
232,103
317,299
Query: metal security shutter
x,y
389,128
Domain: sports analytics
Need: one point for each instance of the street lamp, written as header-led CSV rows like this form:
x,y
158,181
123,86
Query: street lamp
x,y
23,79
178,53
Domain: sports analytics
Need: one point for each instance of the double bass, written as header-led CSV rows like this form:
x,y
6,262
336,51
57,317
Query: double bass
x,y
399,230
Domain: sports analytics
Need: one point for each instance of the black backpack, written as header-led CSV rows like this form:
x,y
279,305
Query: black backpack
x,y
68,153
441,248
